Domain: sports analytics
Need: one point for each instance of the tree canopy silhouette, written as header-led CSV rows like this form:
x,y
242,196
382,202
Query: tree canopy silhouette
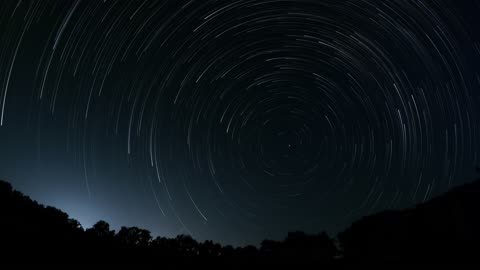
x,y
28,229
446,228
443,229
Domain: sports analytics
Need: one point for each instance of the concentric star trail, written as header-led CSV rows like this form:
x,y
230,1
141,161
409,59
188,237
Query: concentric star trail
x,y
241,120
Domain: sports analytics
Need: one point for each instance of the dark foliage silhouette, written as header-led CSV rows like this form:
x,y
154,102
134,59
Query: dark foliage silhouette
x,y
27,227
31,231
299,245
446,228
443,229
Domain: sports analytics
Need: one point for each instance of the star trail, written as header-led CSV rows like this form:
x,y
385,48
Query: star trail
x,y
238,120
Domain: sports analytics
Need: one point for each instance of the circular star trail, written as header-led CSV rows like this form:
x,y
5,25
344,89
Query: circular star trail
x,y
240,120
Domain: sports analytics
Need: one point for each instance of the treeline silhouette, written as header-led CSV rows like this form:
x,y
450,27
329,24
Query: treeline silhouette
x,y
441,230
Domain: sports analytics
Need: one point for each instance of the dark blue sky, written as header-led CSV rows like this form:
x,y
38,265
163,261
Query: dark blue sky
x,y
237,120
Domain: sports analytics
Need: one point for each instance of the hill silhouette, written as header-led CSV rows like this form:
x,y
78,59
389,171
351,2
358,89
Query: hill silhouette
x,y
444,229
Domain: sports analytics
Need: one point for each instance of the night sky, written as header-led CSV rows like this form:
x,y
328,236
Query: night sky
x,y
238,120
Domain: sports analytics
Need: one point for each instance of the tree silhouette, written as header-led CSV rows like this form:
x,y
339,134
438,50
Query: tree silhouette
x,y
101,235
133,237
445,229
208,248
301,246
